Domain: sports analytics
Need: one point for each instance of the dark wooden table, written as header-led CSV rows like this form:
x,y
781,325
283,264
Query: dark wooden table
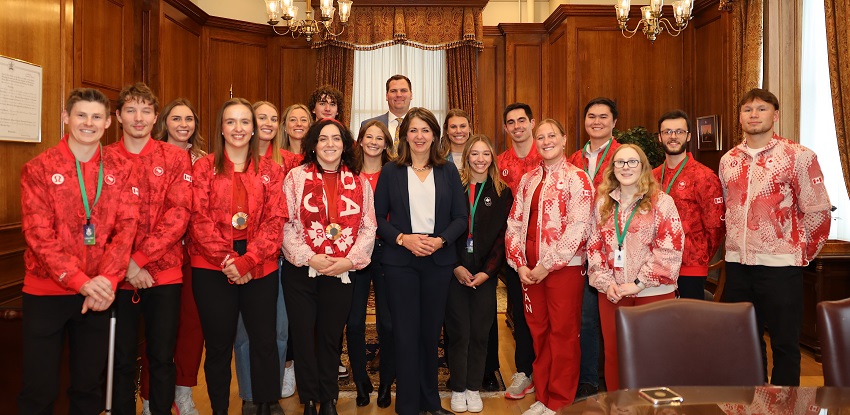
x,y
768,400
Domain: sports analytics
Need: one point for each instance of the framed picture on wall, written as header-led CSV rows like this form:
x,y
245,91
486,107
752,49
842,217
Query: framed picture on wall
x,y
708,134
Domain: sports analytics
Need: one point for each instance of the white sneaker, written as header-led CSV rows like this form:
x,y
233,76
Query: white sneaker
x,y
288,388
521,385
146,407
536,408
473,401
458,401
183,403
547,411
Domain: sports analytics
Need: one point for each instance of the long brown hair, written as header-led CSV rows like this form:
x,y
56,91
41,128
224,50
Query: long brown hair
x,y
284,142
275,144
218,143
386,155
647,186
195,140
445,141
492,171
404,158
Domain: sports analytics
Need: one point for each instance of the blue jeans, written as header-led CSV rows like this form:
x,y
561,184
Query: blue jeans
x,y
241,346
589,369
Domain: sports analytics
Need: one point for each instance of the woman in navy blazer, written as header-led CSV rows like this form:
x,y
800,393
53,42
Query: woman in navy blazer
x,y
420,209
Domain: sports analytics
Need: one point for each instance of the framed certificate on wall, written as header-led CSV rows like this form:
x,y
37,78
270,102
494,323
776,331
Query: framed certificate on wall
x,y
20,100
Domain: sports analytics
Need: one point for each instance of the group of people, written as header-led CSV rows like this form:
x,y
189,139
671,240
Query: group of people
x,y
267,248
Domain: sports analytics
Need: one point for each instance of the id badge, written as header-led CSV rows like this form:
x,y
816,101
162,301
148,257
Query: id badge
x,y
468,245
88,234
619,258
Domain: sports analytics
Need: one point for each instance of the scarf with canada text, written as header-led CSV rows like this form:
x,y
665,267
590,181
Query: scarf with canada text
x,y
314,214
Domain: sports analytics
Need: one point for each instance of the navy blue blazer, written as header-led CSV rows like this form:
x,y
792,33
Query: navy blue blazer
x,y
392,211
384,118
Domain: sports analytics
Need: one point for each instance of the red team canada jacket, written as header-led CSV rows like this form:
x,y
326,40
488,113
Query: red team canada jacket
x,y
210,228
166,183
777,208
57,261
699,200
563,219
579,160
653,247
513,168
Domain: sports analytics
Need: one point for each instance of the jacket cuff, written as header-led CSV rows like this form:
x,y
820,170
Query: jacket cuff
x,y
140,258
245,264
77,280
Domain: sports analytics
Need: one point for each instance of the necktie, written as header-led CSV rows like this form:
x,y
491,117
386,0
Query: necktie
x,y
397,132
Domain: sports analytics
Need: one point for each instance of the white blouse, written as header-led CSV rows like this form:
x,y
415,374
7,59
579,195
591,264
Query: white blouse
x,y
423,202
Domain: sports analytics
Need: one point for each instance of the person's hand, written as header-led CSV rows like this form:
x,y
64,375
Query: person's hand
x,y
464,277
420,245
525,275
613,293
434,243
538,274
479,279
319,262
337,266
98,293
89,303
244,279
629,288
132,270
142,279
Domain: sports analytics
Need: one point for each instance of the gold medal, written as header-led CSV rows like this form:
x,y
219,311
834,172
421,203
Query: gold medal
x,y
239,221
333,231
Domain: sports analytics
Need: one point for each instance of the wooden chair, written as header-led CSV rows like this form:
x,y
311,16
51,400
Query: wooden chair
x,y
834,334
686,342
719,266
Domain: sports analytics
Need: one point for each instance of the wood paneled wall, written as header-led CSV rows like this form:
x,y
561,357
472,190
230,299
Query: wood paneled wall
x,y
491,87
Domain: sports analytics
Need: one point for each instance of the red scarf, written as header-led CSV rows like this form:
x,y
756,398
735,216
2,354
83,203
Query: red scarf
x,y
314,214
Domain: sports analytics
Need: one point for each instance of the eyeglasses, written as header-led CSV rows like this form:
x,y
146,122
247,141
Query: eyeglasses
x,y
670,133
622,163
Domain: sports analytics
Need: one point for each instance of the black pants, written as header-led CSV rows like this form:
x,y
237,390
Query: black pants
x,y
491,363
524,352
318,309
418,294
691,287
46,319
356,330
777,295
219,304
469,316
160,306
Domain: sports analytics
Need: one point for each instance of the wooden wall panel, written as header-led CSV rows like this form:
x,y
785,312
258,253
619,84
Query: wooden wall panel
x,y
709,73
524,65
297,71
491,88
180,57
238,61
556,105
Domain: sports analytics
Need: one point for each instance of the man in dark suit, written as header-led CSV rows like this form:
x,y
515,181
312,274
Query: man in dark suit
x,y
399,95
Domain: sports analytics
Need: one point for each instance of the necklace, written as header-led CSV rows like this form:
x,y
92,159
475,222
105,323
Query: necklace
x,y
420,169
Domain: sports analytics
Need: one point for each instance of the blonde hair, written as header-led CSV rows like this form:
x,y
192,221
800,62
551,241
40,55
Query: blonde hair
x,y
275,144
646,184
284,142
492,171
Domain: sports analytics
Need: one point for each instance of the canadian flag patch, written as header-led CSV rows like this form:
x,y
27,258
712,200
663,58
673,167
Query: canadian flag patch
x,y
675,220
817,180
135,190
109,179
718,200
187,177
266,179
585,193
158,171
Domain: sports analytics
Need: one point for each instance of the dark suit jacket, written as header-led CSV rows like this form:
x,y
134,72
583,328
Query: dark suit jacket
x,y
384,118
392,210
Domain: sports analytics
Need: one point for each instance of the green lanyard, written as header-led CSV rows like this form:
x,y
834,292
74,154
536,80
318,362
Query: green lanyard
x,y
621,236
599,161
673,180
474,206
83,186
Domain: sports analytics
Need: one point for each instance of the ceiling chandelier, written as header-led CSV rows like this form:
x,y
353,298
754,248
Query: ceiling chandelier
x,y
651,19
309,27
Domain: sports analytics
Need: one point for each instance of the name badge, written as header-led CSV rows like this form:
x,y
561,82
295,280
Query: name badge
x,y
88,234
469,245
620,258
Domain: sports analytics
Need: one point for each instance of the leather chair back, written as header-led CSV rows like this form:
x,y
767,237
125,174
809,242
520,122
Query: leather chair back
x,y
834,335
687,342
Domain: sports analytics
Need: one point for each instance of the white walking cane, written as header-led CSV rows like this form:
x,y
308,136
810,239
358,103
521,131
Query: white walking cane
x,y
110,365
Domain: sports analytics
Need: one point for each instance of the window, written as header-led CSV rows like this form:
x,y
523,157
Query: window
x,y
817,124
425,68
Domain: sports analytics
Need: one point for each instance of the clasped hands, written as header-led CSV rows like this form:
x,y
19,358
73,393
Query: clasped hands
x,y
421,245
330,266
464,277
532,276
616,292
232,273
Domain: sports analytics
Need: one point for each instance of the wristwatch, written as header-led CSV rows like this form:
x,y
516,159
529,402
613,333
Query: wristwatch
x,y
443,240
639,283
400,239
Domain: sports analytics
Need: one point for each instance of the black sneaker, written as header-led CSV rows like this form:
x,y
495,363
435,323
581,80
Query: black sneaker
x,y
584,390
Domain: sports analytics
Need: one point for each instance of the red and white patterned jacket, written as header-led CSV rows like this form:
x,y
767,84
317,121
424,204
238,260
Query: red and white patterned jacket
x,y
210,228
653,244
57,261
298,246
513,167
165,178
579,160
777,208
699,200
563,220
